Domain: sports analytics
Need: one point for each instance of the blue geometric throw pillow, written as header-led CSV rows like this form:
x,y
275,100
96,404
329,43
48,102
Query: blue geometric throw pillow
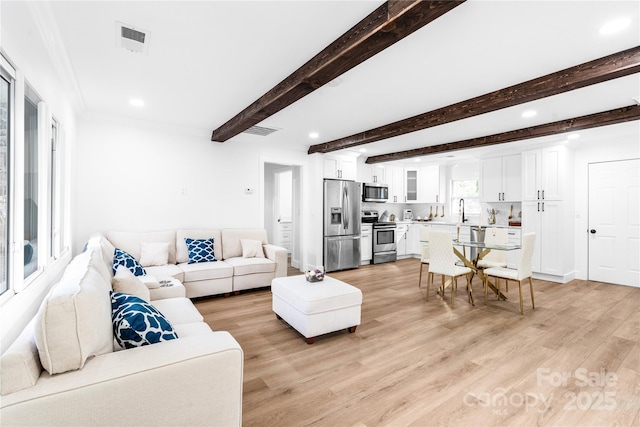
x,y
121,257
137,323
200,250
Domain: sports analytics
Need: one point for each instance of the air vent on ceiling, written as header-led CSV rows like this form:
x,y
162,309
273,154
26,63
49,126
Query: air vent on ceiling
x,y
259,130
132,38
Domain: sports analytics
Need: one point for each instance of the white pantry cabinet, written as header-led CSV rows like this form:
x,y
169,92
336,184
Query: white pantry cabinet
x,y
545,218
500,179
545,173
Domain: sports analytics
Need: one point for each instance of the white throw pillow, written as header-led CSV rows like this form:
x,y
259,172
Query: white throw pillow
x,y
124,281
251,248
154,254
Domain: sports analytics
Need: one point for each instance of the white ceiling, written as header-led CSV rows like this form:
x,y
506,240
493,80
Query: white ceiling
x,y
208,60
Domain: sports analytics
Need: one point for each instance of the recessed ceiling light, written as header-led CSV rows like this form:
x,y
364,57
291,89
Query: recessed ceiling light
x,y
363,150
136,102
573,136
529,113
314,135
417,159
615,26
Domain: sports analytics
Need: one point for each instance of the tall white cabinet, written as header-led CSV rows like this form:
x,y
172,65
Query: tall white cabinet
x,y
547,210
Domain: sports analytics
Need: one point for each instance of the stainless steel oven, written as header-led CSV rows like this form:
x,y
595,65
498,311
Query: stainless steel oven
x,y
384,242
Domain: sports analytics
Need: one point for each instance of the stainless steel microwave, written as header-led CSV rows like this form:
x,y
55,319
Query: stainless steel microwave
x,y
374,192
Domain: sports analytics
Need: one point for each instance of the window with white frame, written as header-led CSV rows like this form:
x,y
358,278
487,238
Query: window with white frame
x,y
469,190
6,84
31,233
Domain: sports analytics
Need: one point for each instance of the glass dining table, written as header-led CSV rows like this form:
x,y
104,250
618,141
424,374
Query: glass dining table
x,y
482,250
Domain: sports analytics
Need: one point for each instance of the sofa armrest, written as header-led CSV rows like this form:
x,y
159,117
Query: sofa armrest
x,y
195,380
279,255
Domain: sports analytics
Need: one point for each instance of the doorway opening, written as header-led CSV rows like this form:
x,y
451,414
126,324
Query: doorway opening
x,y
282,208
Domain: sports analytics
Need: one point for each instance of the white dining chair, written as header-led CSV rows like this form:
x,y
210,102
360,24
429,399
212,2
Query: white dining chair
x,y
523,271
424,259
442,261
495,258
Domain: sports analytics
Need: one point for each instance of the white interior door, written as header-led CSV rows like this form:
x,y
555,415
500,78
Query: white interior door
x,y
614,222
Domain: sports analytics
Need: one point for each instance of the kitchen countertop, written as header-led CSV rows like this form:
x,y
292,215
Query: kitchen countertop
x,y
466,224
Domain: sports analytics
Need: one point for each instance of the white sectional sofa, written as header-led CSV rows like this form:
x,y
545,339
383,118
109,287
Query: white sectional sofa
x,y
66,369
232,272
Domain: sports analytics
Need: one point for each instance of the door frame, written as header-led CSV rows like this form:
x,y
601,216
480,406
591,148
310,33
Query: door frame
x,y
297,219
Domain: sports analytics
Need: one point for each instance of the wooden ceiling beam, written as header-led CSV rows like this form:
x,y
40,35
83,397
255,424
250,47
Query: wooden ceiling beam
x,y
611,117
589,73
389,23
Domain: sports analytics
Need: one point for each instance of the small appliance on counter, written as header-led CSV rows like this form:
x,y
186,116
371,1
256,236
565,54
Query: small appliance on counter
x,y
407,215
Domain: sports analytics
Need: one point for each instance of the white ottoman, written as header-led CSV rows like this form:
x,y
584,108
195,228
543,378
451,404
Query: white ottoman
x,y
316,308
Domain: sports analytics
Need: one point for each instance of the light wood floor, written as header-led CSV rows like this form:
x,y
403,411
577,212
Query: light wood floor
x,y
419,363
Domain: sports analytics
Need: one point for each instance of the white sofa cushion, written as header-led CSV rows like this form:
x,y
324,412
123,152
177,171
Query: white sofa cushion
x,y
74,320
242,266
232,247
131,241
20,364
182,251
169,270
206,270
178,310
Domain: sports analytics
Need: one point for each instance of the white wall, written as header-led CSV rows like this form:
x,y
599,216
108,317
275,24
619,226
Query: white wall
x,y
623,148
136,176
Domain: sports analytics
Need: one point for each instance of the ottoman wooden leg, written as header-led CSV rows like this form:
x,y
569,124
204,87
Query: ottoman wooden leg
x,y
352,329
311,340
278,316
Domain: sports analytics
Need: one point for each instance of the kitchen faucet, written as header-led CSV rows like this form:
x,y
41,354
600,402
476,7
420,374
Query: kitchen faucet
x,y
461,203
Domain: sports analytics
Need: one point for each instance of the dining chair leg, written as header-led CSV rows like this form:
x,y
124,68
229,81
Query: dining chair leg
x,y
520,290
428,283
533,303
497,287
454,285
469,290
486,287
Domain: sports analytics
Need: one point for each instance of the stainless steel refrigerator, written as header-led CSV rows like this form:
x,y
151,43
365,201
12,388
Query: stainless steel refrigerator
x,y
341,224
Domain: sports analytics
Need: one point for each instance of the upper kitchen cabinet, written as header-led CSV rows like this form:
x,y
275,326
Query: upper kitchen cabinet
x,y
429,187
340,167
501,179
411,189
544,173
372,174
395,180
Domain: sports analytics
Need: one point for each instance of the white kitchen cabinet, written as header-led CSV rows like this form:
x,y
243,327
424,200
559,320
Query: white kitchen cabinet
x,y
545,173
429,187
366,243
340,167
401,239
546,218
514,238
411,180
500,179
414,247
372,174
395,180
